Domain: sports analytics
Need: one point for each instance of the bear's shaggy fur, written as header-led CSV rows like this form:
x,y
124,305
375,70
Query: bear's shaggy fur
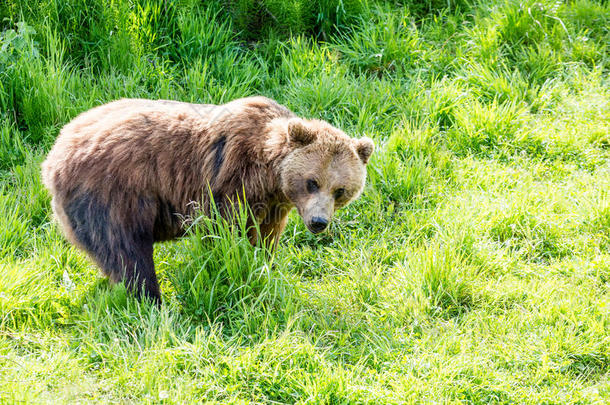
x,y
125,175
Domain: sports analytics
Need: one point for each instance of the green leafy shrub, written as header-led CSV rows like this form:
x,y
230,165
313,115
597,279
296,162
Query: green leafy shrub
x,y
16,45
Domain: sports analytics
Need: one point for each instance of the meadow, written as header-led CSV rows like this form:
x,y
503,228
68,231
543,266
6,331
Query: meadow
x,y
475,268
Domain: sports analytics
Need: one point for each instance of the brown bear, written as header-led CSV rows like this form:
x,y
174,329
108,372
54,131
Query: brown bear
x,y
125,174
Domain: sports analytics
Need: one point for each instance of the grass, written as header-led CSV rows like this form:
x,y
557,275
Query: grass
x,y
475,268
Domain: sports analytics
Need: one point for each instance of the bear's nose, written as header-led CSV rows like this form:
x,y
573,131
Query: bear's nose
x,y
318,224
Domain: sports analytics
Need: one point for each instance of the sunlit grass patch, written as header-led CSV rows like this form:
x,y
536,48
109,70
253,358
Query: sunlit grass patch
x,y
487,129
319,18
473,268
410,166
441,280
527,236
13,148
302,58
223,278
379,48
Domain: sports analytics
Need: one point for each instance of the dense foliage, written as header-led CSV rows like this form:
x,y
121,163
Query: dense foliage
x,y
475,267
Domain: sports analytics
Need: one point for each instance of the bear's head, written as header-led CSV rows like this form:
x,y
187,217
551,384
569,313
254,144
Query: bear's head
x,y
324,170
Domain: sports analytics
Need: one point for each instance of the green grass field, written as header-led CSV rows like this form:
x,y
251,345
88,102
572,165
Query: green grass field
x,y
475,267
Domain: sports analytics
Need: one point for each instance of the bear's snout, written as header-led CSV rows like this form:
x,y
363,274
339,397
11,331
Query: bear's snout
x,y
318,224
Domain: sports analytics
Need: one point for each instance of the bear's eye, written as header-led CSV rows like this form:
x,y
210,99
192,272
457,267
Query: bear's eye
x,y
312,186
340,192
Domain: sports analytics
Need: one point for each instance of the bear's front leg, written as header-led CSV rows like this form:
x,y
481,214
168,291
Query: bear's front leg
x,y
271,226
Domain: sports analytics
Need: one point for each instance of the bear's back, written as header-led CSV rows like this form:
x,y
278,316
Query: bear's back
x,y
119,134
141,144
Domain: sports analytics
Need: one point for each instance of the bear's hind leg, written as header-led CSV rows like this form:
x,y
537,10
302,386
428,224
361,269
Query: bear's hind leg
x,y
125,253
131,261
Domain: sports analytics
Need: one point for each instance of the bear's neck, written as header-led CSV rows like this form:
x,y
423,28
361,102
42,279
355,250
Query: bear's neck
x,y
250,164
274,151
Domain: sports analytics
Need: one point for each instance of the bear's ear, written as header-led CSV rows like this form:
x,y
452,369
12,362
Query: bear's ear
x,y
299,134
365,147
